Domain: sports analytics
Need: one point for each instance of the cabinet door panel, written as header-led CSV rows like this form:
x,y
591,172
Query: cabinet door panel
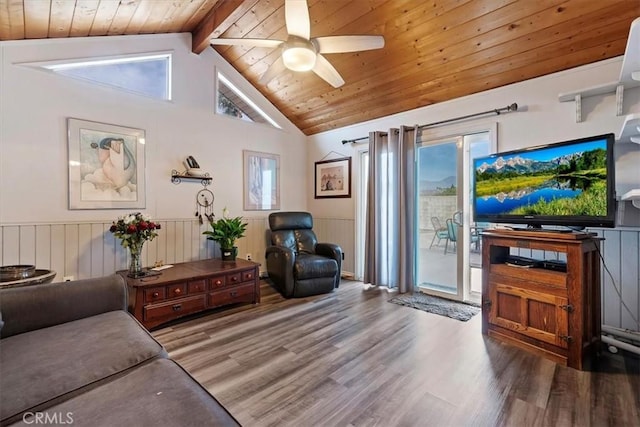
x,y
530,313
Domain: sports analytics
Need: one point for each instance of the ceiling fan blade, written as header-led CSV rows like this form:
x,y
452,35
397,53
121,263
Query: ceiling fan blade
x,y
296,15
274,69
326,71
247,42
341,44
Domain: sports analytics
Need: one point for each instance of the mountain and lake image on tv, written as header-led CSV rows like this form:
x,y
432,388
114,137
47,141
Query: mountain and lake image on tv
x,y
569,183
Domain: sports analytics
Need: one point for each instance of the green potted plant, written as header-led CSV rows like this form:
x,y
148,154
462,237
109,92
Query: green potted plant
x,y
225,231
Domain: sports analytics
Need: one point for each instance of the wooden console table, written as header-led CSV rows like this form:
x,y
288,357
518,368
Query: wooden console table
x,y
555,314
192,287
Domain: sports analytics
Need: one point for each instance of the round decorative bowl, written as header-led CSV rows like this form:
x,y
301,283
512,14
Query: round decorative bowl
x,y
39,277
16,272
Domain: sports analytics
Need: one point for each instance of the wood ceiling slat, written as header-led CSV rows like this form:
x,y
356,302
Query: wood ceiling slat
x,y
217,21
122,18
482,77
327,21
398,76
60,19
388,56
104,16
140,16
11,20
5,20
471,77
326,13
182,15
391,73
403,52
172,15
271,27
154,20
265,22
426,93
455,91
83,16
36,19
246,57
193,21
253,23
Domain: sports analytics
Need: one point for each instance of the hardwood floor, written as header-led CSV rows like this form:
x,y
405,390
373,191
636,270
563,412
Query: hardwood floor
x,y
351,358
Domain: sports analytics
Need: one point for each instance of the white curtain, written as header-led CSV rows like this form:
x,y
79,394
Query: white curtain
x,y
390,231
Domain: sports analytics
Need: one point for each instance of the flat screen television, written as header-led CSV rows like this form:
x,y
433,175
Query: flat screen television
x,y
568,183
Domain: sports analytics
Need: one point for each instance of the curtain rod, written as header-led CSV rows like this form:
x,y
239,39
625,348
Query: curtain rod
x,y
496,111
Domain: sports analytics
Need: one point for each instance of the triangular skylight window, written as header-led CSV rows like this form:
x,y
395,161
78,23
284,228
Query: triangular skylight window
x,y
148,75
233,102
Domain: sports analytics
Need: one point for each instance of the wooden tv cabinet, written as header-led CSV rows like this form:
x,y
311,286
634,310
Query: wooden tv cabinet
x,y
192,287
552,313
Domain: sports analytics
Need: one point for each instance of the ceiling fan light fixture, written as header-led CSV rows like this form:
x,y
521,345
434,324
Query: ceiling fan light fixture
x,y
297,58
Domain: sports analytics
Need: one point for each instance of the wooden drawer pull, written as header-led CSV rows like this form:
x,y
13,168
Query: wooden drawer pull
x,y
177,291
233,293
234,279
218,282
155,295
249,276
177,307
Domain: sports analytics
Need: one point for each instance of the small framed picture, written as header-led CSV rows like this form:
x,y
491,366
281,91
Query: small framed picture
x,y
261,181
333,178
106,166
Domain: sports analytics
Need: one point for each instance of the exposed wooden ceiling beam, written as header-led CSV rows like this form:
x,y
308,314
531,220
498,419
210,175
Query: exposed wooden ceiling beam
x,y
217,21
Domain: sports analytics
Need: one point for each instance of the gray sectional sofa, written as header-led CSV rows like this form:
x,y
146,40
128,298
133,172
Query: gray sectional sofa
x,y
70,353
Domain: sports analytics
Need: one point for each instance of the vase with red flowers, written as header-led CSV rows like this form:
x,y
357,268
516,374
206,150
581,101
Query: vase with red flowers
x,y
133,230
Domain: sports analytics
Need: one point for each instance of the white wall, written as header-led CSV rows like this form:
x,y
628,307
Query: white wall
x,y
33,143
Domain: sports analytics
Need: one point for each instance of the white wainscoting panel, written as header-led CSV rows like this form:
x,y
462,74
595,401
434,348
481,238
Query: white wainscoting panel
x,y
621,253
89,249
341,232
85,250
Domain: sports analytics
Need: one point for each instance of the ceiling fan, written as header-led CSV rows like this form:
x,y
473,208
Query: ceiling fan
x,y
302,53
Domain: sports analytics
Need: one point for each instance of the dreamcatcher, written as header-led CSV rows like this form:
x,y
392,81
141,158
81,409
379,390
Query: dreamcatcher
x,y
204,205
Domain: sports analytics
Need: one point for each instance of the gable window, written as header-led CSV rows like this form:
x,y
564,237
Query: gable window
x,y
233,102
148,75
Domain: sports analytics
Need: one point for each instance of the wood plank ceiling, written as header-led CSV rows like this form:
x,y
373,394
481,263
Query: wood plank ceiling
x,y
435,50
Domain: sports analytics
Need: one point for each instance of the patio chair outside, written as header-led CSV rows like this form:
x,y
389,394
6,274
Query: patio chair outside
x,y
452,235
440,232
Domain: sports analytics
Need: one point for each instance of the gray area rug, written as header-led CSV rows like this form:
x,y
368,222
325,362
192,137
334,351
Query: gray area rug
x,y
443,307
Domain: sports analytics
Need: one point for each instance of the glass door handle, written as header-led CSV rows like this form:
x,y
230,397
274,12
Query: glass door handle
x,y
457,218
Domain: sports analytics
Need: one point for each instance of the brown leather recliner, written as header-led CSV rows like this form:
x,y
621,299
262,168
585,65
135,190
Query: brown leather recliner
x,y
297,264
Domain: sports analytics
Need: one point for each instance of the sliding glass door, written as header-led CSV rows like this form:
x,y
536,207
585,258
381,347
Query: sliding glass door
x,y
448,248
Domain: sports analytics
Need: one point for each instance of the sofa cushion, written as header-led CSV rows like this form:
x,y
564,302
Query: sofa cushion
x,y
309,266
41,366
160,393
